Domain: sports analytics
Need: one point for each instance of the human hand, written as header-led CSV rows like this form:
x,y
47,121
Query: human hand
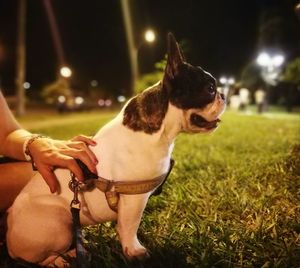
x,y
48,154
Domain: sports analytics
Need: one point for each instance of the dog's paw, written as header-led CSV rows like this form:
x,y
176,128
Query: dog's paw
x,y
136,253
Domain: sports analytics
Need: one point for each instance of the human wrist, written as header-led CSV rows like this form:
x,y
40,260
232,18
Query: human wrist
x,y
26,148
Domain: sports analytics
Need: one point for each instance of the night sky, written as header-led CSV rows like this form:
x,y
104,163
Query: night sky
x,y
219,35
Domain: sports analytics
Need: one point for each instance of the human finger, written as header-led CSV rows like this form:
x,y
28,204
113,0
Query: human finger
x,y
66,161
50,178
73,166
83,156
85,139
82,146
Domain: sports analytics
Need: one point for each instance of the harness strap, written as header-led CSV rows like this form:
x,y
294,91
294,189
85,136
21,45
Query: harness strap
x,y
129,187
113,189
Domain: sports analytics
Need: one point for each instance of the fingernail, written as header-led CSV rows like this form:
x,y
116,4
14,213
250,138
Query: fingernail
x,y
94,142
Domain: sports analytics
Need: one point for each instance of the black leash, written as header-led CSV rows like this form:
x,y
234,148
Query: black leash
x,y
82,260
82,256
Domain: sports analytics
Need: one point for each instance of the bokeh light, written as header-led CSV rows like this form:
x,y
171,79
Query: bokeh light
x,y
65,71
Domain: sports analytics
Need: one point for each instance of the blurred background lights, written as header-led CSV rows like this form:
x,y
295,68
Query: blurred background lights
x,y
263,59
266,60
278,60
26,85
231,81
227,81
94,83
65,71
101,102
121,98
223,80
270,66
108,103
61,99
150,36
79,100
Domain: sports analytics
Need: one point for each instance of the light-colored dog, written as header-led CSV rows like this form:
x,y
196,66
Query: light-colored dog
x,y
135,146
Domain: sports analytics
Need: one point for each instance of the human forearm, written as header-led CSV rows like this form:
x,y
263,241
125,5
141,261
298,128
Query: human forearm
x,y
12,145
12,136
45,153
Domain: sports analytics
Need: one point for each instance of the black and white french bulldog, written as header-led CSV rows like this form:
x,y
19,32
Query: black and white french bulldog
x,y
135,146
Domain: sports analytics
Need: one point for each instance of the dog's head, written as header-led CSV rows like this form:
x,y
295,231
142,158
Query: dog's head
x,y
193,90
187,87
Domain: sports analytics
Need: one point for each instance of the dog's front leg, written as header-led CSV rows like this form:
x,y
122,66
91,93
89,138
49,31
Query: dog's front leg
x,y
130,210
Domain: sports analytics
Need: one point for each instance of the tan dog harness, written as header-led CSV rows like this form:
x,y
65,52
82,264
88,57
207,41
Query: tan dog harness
x,y
113,188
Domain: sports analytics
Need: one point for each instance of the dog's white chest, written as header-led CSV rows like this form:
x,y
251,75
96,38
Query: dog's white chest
x,y
127,155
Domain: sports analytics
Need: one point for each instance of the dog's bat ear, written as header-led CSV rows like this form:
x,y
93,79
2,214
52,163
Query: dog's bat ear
x,y
175,56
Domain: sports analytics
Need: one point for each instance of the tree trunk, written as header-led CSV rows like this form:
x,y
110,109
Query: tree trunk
x,y
21,58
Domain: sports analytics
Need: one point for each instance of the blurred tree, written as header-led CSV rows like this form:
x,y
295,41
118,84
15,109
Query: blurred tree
x,y
60,87
150,79
291,84
251,77
279,29
100,92
291,73
278,32
271,32
147,80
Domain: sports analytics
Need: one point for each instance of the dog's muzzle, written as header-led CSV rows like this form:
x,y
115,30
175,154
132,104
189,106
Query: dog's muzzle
x,y
201,122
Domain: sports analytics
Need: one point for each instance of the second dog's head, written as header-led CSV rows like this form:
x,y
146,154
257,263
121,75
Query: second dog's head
x,y
187,87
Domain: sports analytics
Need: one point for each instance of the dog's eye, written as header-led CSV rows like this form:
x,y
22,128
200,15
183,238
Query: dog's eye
x,y
211,89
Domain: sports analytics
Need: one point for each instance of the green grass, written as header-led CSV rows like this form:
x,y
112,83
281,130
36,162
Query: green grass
x,y
232,199
67,125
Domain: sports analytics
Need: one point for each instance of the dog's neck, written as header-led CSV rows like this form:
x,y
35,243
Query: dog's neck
x,y
146,111
152,113
172,124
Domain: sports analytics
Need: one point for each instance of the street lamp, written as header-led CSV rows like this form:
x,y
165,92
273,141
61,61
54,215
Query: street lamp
x,y
65,72
149,36
270,69
226,82
270,66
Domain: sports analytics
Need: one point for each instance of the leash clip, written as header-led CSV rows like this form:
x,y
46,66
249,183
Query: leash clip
x,y
74,186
